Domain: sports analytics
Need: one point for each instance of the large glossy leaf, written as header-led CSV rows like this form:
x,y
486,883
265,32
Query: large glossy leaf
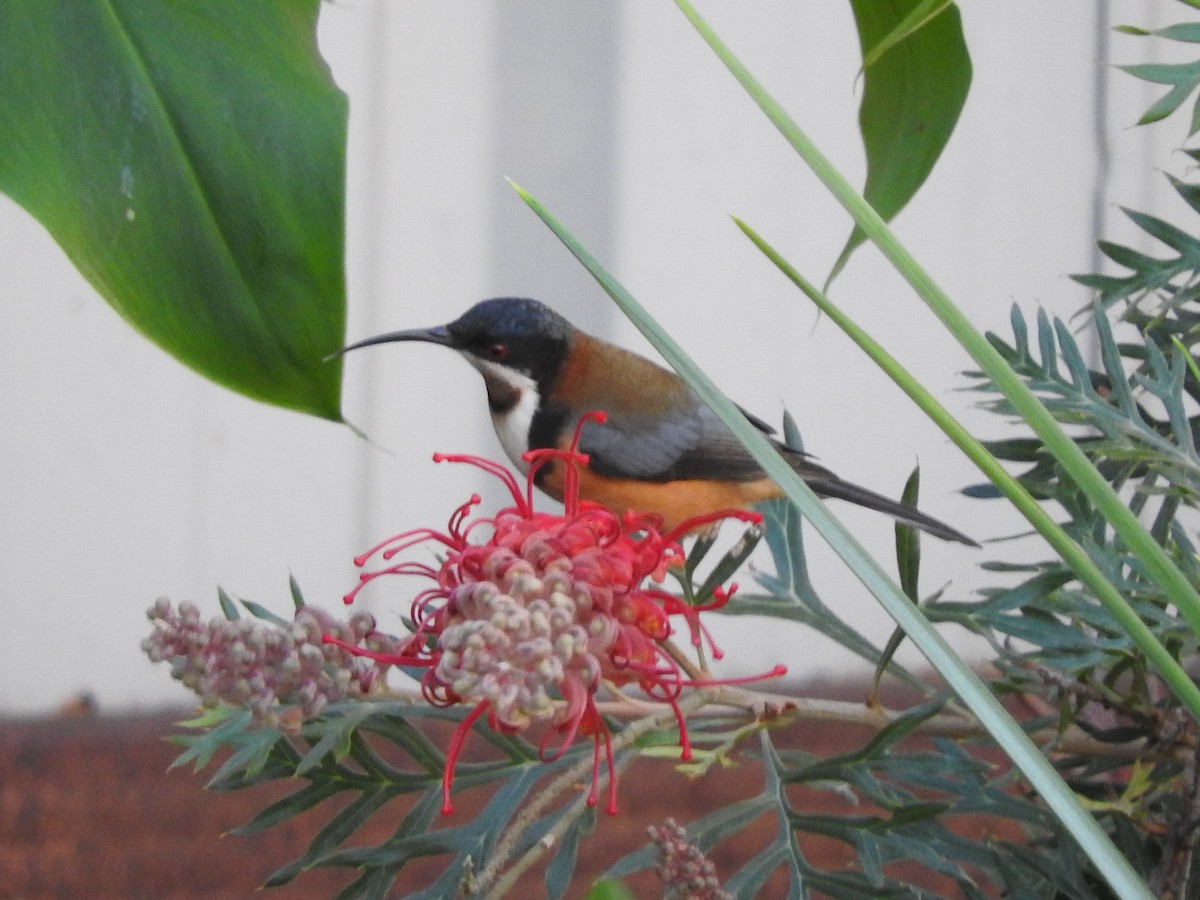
x,y
916,74
189,158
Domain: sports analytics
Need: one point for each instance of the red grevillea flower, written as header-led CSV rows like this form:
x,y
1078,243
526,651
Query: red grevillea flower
x,y
525,624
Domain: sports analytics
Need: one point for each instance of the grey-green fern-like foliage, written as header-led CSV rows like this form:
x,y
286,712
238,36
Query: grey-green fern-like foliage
x,y
1137,419
1183,79
1140,426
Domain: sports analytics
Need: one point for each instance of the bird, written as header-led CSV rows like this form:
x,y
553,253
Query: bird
x,y
659,449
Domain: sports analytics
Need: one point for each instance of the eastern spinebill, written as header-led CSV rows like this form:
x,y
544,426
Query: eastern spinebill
x,y
660,449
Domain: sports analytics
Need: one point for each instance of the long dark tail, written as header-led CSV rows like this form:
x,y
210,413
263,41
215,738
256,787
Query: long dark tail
x,y
843,490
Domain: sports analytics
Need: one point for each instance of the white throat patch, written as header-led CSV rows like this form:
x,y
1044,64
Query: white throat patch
x,y
512,427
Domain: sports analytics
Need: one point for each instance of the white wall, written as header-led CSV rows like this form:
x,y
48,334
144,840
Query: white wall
x,y
126,477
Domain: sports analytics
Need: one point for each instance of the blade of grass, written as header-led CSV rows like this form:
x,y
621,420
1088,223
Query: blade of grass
x,y
962,680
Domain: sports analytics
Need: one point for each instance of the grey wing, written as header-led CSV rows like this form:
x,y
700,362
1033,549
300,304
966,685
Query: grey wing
x,y
691,443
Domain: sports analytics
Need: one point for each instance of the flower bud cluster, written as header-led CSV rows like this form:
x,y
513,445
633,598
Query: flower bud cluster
x,y
513,638
686,872
282,675
533,615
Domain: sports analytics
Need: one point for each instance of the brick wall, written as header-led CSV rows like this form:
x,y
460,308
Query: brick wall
x,y
88,809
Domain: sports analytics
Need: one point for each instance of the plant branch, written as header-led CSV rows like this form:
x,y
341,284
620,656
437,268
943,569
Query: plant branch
x,y
552,837
1072,741
567,780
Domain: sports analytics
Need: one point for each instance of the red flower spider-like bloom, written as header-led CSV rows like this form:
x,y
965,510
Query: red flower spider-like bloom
x,y
543,610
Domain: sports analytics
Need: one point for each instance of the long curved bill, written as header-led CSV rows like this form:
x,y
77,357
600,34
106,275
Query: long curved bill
x,y
435,335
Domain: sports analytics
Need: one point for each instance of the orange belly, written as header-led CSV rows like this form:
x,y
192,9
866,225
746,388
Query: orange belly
x,y
675,501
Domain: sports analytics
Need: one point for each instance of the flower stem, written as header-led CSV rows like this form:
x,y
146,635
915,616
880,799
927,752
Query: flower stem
x,y
491,872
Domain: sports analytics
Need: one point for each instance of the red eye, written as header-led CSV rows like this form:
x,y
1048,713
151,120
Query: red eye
x,y
497,352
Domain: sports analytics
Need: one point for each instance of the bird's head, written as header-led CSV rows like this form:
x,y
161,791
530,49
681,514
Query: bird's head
x,y
517,344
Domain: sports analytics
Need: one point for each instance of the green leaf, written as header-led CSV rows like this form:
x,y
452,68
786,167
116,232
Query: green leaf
x,y
908,542
908,566
785,537
336,734
609,890
297,594
1183,78
917,73
189,159
750,878
1187,31
730,563
914,20
786,542
251,757
562,867
221,724
261,612
228,606
336,830
293,804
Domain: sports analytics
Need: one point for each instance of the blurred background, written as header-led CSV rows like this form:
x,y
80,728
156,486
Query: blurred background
x,y
126,477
